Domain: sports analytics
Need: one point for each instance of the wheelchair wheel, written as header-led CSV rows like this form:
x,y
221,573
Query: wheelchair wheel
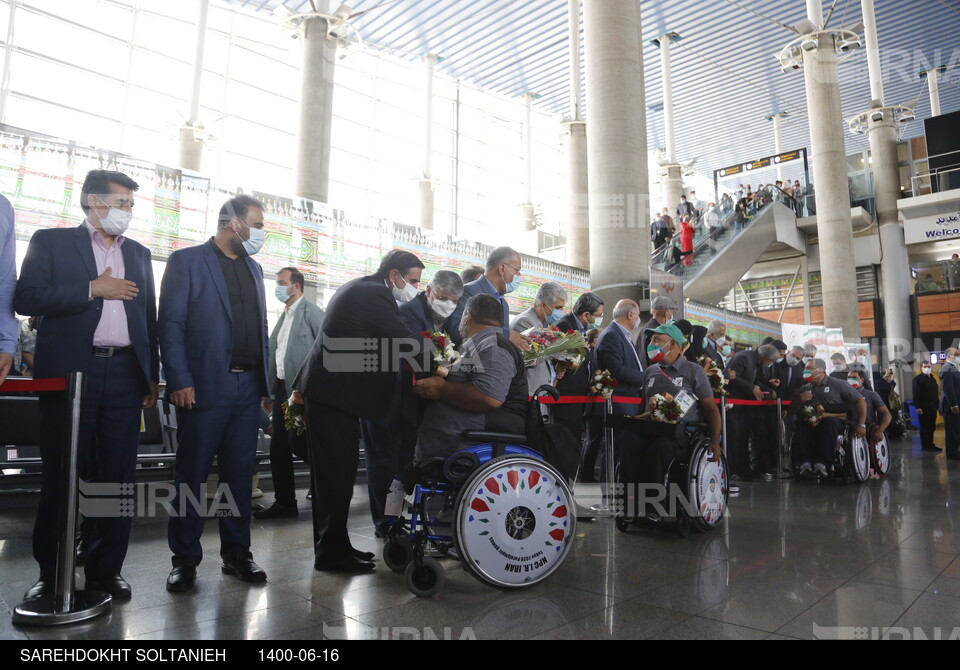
x,y
708,487
397,553
881,456
860,453
514,521
426,578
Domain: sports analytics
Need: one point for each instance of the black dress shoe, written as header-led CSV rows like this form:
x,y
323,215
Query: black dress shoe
x,y
362,555
278,511
244,568
181,578
348,563
43,587
115,585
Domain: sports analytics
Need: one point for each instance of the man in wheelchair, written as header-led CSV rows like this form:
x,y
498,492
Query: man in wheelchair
x,y
814,445
645,460
485,390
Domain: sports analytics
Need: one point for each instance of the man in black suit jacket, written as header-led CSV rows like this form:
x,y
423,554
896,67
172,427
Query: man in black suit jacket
x,y
950,403
926,397
350,375
615,352
93,289
587,313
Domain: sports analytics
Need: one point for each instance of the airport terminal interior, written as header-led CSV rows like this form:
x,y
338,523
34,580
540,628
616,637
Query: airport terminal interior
x,y
816,142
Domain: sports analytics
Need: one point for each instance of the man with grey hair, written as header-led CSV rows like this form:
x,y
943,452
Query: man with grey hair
x,y
502,276
431,310
716,338
472,273
547,310
616,352
663,309
745,385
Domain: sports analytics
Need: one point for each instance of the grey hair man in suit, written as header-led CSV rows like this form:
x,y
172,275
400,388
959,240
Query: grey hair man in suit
x,y
290,344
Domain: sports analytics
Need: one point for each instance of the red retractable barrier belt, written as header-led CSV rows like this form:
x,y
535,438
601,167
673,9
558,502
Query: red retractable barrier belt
x,y
23,385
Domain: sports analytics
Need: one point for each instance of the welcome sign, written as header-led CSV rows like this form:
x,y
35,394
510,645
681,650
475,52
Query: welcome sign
x,y
932,228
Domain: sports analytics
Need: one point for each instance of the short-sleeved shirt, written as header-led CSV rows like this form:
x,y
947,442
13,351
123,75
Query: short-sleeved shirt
x,y
681,374
491,369
833,393
874,403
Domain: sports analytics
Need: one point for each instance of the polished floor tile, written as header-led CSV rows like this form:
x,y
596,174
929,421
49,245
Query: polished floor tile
x,y
791,561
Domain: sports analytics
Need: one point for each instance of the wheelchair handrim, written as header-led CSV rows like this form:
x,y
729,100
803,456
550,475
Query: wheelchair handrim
x,y
709,487
520,533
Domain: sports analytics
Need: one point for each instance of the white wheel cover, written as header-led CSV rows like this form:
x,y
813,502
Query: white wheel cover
x,y
861,458
882,452
515,521
708,487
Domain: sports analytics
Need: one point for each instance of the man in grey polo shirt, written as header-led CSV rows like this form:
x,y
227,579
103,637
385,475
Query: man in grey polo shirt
x,y
485,390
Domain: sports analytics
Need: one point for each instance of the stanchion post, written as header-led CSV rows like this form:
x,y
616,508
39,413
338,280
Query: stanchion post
x,y
781,427
66,605
723,424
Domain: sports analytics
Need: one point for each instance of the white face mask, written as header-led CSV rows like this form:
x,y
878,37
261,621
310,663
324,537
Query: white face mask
x,y
443,308
116,221
791,360
405,294
928,371
255,241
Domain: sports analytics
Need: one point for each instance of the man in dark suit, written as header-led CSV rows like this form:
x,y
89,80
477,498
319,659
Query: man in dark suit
x,y
389,440
345,380
290,343
926,397
746,384
502,276
587,313
616,352
213,338
950,403
716,338
92,288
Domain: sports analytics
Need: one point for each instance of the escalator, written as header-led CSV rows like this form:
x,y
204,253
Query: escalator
x,y
720,260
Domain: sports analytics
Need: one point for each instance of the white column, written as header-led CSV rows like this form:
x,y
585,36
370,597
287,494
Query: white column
x,y
933,83
316,109
527,208
578,221
778,140
894,265
616,149
834,227
425,184
191,136
671,177
573,22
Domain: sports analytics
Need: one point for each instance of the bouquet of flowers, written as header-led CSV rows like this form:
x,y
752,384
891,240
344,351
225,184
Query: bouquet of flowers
x,y
602,384
444,355
550,343
293,414
812,414
664,408
714,376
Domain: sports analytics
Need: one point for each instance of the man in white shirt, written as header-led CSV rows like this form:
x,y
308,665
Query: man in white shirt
x,y
290,342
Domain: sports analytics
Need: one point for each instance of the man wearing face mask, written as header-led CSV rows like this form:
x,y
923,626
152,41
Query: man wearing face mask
x,y
815,445
547,310
344,380
502,276
662,309
431,310
950,403
926,397
290,343
839,362
93,288
616,352
213,339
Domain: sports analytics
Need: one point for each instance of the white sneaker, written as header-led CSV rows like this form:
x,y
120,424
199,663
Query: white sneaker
x,y
806,469
821,469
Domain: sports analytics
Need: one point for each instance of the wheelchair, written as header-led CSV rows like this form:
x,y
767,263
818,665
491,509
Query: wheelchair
x,y
852,457
498,507
697,488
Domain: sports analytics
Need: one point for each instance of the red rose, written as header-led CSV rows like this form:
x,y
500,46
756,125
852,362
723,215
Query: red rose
x,y
569,332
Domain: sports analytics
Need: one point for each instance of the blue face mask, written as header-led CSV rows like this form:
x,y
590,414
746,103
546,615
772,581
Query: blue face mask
x,y
513,285
705,342
554,317
282,293
726,350
597,322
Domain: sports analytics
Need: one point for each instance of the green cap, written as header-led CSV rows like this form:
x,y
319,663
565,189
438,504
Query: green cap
x,y
668,329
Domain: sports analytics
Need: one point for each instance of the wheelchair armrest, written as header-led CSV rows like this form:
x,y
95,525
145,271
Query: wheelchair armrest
x,y
481,436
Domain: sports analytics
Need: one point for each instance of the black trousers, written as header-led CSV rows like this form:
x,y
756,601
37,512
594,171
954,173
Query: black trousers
x,y
334,455
284,445
738,440
108,439
817,444
952,425
928,425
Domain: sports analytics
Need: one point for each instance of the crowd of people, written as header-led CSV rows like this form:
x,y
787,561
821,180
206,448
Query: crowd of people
x,y
364,370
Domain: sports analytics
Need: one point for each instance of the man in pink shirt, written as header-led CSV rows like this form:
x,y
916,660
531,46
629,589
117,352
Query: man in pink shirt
x,y
92,288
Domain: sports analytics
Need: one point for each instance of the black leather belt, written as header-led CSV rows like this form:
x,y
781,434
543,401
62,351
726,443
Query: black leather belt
x,y
107,352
